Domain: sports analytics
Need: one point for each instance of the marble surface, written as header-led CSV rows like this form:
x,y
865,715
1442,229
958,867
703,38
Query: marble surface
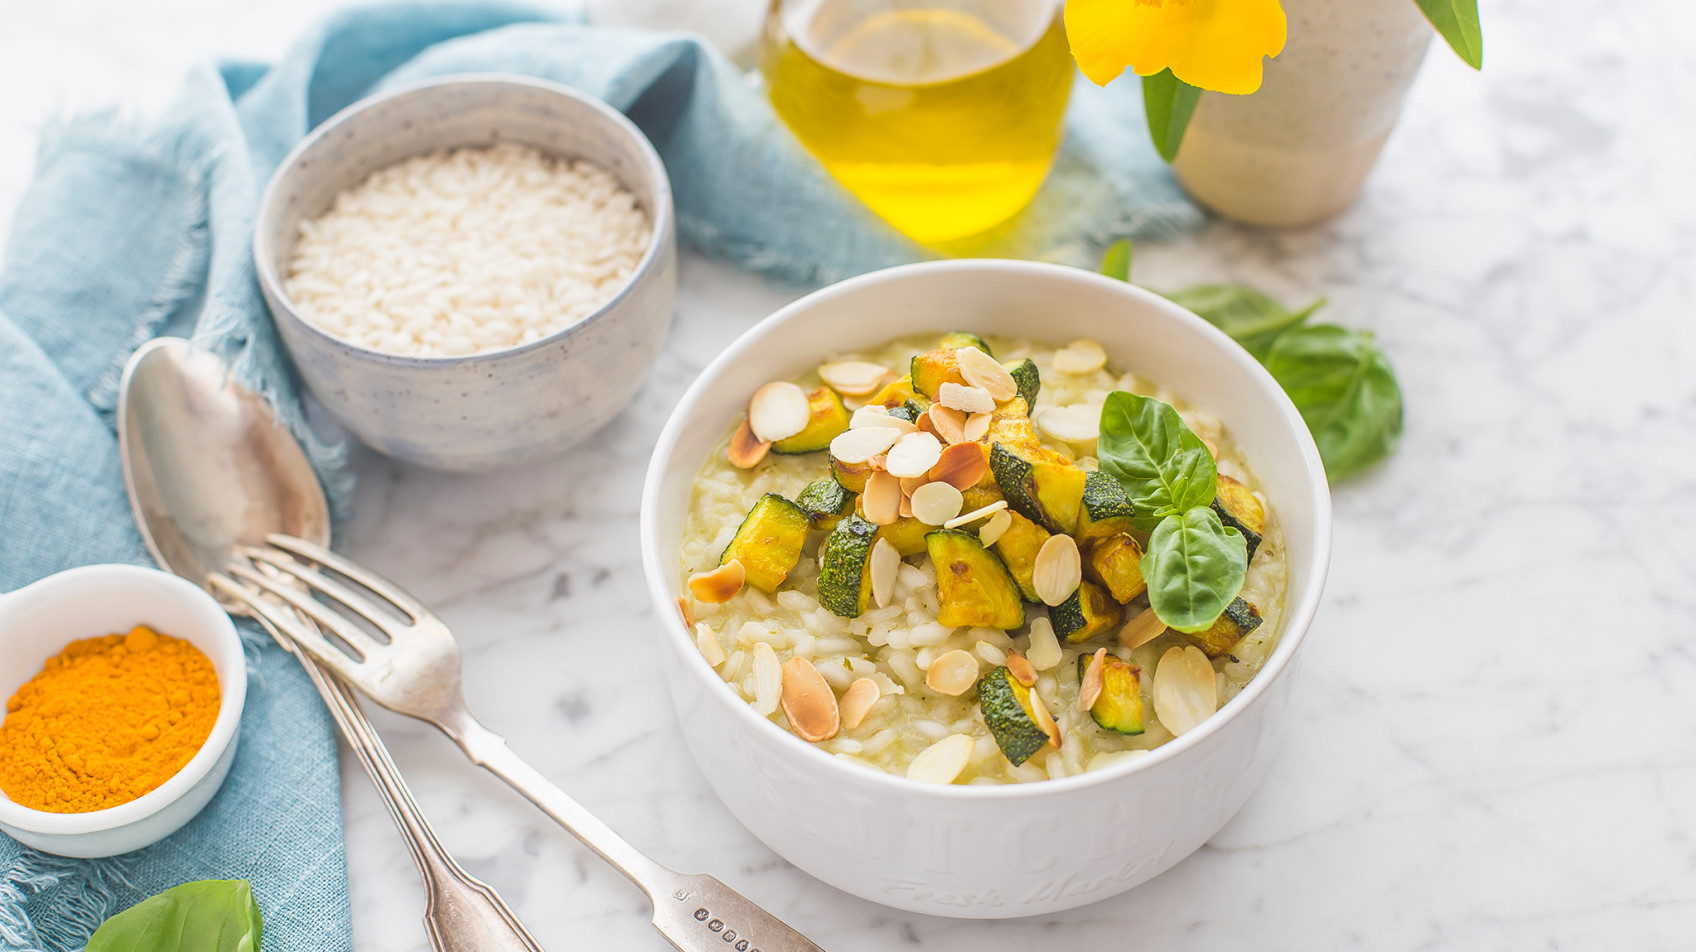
x,y
1491,746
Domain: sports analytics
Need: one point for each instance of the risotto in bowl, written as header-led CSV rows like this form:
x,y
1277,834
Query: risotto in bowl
x,y
983,580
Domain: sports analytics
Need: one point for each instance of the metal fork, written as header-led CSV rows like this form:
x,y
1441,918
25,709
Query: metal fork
x,y
417,673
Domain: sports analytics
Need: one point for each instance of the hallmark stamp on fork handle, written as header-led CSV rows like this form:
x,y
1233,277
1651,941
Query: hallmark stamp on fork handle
x,y
717,926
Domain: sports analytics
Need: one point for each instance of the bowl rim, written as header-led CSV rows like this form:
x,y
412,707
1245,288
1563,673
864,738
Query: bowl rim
x,y
1299,617
231,702
662,213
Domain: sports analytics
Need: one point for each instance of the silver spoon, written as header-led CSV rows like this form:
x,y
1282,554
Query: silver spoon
x,y
208,469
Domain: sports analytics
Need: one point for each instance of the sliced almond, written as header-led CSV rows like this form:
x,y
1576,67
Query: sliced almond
x,y
1044,720
1020,669
1078,423
967,518
985,373
1094,679
857,701
720,585
688,616
778,411
953,673
948,424
885,565
1080,357
1045,646
977,426
1185,691
808,702
881,502
710,647
1141,630
991,654
859,445
768,679
965,399
936,503
746,449
913,455
1058,570
992,530
874,415
961,465
856,378
942,761
905,510
911,483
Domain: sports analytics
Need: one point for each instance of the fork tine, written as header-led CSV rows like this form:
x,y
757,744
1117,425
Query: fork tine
x,y
408,605
306,637
322,614
322,583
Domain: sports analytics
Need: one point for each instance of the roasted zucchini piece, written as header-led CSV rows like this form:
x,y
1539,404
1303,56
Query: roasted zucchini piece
x,y
896,394
973,587
824,501
851,476
1011,424
1241,510
1119,707
826,420
845,587
906,534
1106,510
908,411
1018,547
1239,618
981,495
1007,712
1030,382
1117,563
1039,484
933,368
954,340
768,543
1089,612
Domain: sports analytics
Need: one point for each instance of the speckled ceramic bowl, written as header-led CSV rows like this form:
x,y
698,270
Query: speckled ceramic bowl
x,y
502,408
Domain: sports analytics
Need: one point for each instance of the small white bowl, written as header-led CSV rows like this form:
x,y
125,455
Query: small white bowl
x,y
40,619
989,852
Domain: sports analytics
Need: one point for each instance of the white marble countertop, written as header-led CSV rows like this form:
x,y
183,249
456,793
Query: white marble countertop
x,y
1492,743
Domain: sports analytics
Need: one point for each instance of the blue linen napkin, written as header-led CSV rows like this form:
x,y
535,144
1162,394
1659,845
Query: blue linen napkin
x,y
136,229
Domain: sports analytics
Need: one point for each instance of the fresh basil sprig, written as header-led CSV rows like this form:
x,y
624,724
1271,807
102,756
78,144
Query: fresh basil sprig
x,y
212,915
1346,391
1194,566
1252,319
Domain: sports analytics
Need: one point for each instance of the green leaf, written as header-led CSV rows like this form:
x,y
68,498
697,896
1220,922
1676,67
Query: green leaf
x,y
1250,317
213,915
1162,465
1457,21
1346,390
1194,566
1169,102
1116,261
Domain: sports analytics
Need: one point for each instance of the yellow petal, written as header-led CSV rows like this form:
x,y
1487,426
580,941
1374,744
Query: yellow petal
x,y
1213,44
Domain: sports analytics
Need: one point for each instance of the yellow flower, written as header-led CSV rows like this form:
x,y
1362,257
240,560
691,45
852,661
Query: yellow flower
x,y
1213,44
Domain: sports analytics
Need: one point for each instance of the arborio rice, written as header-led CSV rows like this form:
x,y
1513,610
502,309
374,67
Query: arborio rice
x,y
469,250
747,636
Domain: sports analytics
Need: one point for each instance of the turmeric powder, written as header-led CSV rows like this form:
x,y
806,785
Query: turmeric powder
x,y
107,720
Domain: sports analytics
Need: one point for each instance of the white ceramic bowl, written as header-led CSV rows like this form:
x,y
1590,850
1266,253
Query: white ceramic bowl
x,y
38,620
989,851
502,408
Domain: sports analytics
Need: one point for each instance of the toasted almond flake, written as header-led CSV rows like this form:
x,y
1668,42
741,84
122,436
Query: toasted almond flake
x,y
808,702
1044,720
859,445
1094,679
1020,668
948,424
905,510
881,502
720,585
768,679
1141,630
965,399
1058,570
966,518
936,503
874,415
1078,423
683,608
928,425
977,426
746,449
942,761
707,641
856,378
913,455
857,701
1185,689
992,530
885,565
962,465
778,411
1045,647
953,673
985,373
910,483
1080,357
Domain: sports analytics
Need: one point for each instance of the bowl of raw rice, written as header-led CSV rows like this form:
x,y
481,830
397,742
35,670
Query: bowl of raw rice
x,y
1033,812
472,272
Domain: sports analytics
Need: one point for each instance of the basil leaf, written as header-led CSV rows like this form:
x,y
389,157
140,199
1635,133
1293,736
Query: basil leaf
x,y
1116,260
1457,21
212,915
1252,319
1346,390
1163,466
1169,102
1194,566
